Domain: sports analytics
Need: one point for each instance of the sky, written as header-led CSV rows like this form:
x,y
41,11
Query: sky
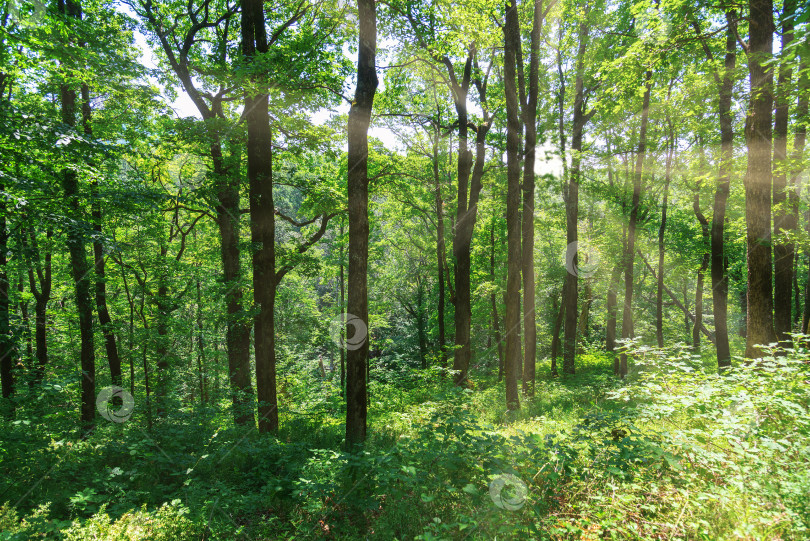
x,y
184,107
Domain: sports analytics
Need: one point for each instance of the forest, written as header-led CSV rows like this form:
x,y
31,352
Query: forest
x,y
404,269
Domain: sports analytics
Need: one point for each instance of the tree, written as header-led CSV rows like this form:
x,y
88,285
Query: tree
x,y
511,30
357,305
76,243
758,132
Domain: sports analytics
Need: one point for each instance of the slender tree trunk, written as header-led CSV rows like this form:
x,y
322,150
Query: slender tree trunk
x,y
440,246
659,293
262,220
527,253
359,120
6,343
572,209
799,141
584,315
493,300
611,306
784,194
627,313
105,322
26,324
704,265
558,322
758,179
719,259
76,243
512,320
39,282
342,315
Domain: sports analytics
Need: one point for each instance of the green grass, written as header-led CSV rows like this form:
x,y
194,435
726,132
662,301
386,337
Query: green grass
x,y
674,452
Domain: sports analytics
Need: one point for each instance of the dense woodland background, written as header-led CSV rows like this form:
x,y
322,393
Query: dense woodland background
x,y
404,269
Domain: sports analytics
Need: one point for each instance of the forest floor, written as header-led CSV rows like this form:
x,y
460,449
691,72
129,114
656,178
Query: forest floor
x,y
674,452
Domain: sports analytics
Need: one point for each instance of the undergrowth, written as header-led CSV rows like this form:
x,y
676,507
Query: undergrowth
x,y
676,451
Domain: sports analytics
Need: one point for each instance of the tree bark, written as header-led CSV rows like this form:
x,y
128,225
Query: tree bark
x,y
76,243
558,322
784,194
758,132
627,313
704,265
440,247
512,319
572,208
527,250
262,219
105,322
659,293
6,343
719,259
611,306
359,120
493,300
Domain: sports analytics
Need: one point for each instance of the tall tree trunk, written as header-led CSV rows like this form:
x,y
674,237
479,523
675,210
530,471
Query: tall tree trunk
x,y
76,243
467,209
611,306
39,282
704,265
627,313
659,293
784,194
527,249
440,245
572,209
719,259
6,343
799,140
105,322
758,133
342,314
262,220
512,319
558,322
584,315
493,300
359,120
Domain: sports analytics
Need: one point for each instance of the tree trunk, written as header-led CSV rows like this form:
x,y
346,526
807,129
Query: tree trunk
x,y
659,293
105,322
611,306
359,120
572,210
627,313
558,322
758,179
704,265
342,315
512,319
6,343
262,220
76,243
527,250
784,195
799,140
493,300
719,260
39,282
440,246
